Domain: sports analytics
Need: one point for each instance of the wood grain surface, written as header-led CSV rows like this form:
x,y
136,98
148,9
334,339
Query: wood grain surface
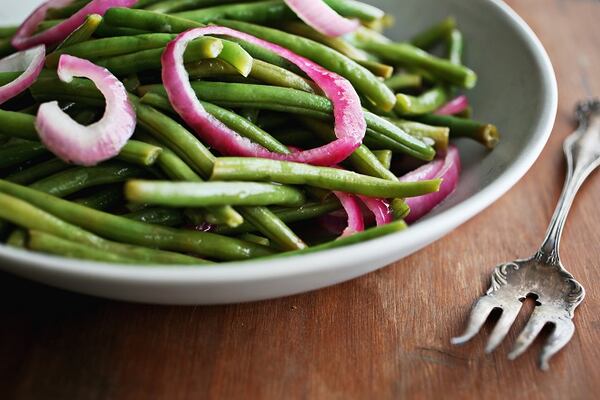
x,y
382,336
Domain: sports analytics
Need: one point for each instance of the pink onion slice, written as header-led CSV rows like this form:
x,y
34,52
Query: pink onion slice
x,y
30,61
355,218
25,38
350,125
448,169
318,15
100,141
458,105
380,209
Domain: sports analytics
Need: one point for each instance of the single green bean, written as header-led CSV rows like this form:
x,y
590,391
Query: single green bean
x,y
19,125
75,179
384,157
195,194
172,6
140,153
148,21
361,78
46,243
7,32
83,33
249,237
124,230
411,56
425,103
110,47
486,134
38,171
106,31
158,216
273,227
289,215
104,199
17,153
404,81
29,216
456,44
434,34
256,169
205,47
439,134
18,238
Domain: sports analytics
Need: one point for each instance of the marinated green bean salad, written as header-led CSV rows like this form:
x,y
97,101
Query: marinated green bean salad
x,y
188,132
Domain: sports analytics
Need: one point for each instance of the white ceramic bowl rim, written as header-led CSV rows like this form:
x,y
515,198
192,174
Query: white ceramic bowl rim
x,y
306,264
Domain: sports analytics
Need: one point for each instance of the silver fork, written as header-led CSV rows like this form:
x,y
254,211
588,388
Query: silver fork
x,y
542,276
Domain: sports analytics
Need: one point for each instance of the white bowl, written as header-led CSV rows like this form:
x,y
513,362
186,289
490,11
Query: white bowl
x,y
517,91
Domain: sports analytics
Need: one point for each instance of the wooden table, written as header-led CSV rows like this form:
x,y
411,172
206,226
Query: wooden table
x,y
385,335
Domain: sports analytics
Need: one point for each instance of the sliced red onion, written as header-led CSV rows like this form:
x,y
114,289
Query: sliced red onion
x,y
31,62
100,141
350,125
458,105
318,15
380,209
25,38
355,218
448,169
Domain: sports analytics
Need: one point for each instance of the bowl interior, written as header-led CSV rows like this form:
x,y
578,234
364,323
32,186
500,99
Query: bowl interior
x,y
516,91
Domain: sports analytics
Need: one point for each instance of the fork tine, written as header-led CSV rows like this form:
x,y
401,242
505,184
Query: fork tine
x,y
527,336
509,314
481,310
563,332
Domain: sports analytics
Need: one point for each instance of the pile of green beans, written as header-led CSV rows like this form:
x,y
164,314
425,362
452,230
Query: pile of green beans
x,y
167,198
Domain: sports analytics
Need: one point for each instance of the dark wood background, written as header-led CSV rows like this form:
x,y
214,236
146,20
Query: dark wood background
x,y
385,335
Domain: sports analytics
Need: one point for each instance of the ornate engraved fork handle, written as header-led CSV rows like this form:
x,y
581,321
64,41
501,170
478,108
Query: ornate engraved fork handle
x,y
582,150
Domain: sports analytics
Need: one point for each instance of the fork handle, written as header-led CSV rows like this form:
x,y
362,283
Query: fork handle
x,y
582,150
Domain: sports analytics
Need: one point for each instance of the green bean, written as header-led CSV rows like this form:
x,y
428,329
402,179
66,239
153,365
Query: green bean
x,y
66,11
127,231
289,215
384,157
434,34
75,179
361,78
260,12
261,71
145,3
83,33
455,46
378,69
404,81
104,199
195,194
256,169
231,119
171,6
38,171
46,243
140,153
148,21
18,238
294,101
20,125
425,103
17,153
356,9
249,237
486,134
360,237
439,134
158,216
110,47
27,215
7,32
205,47
411,56
6,48
273,227
106,31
